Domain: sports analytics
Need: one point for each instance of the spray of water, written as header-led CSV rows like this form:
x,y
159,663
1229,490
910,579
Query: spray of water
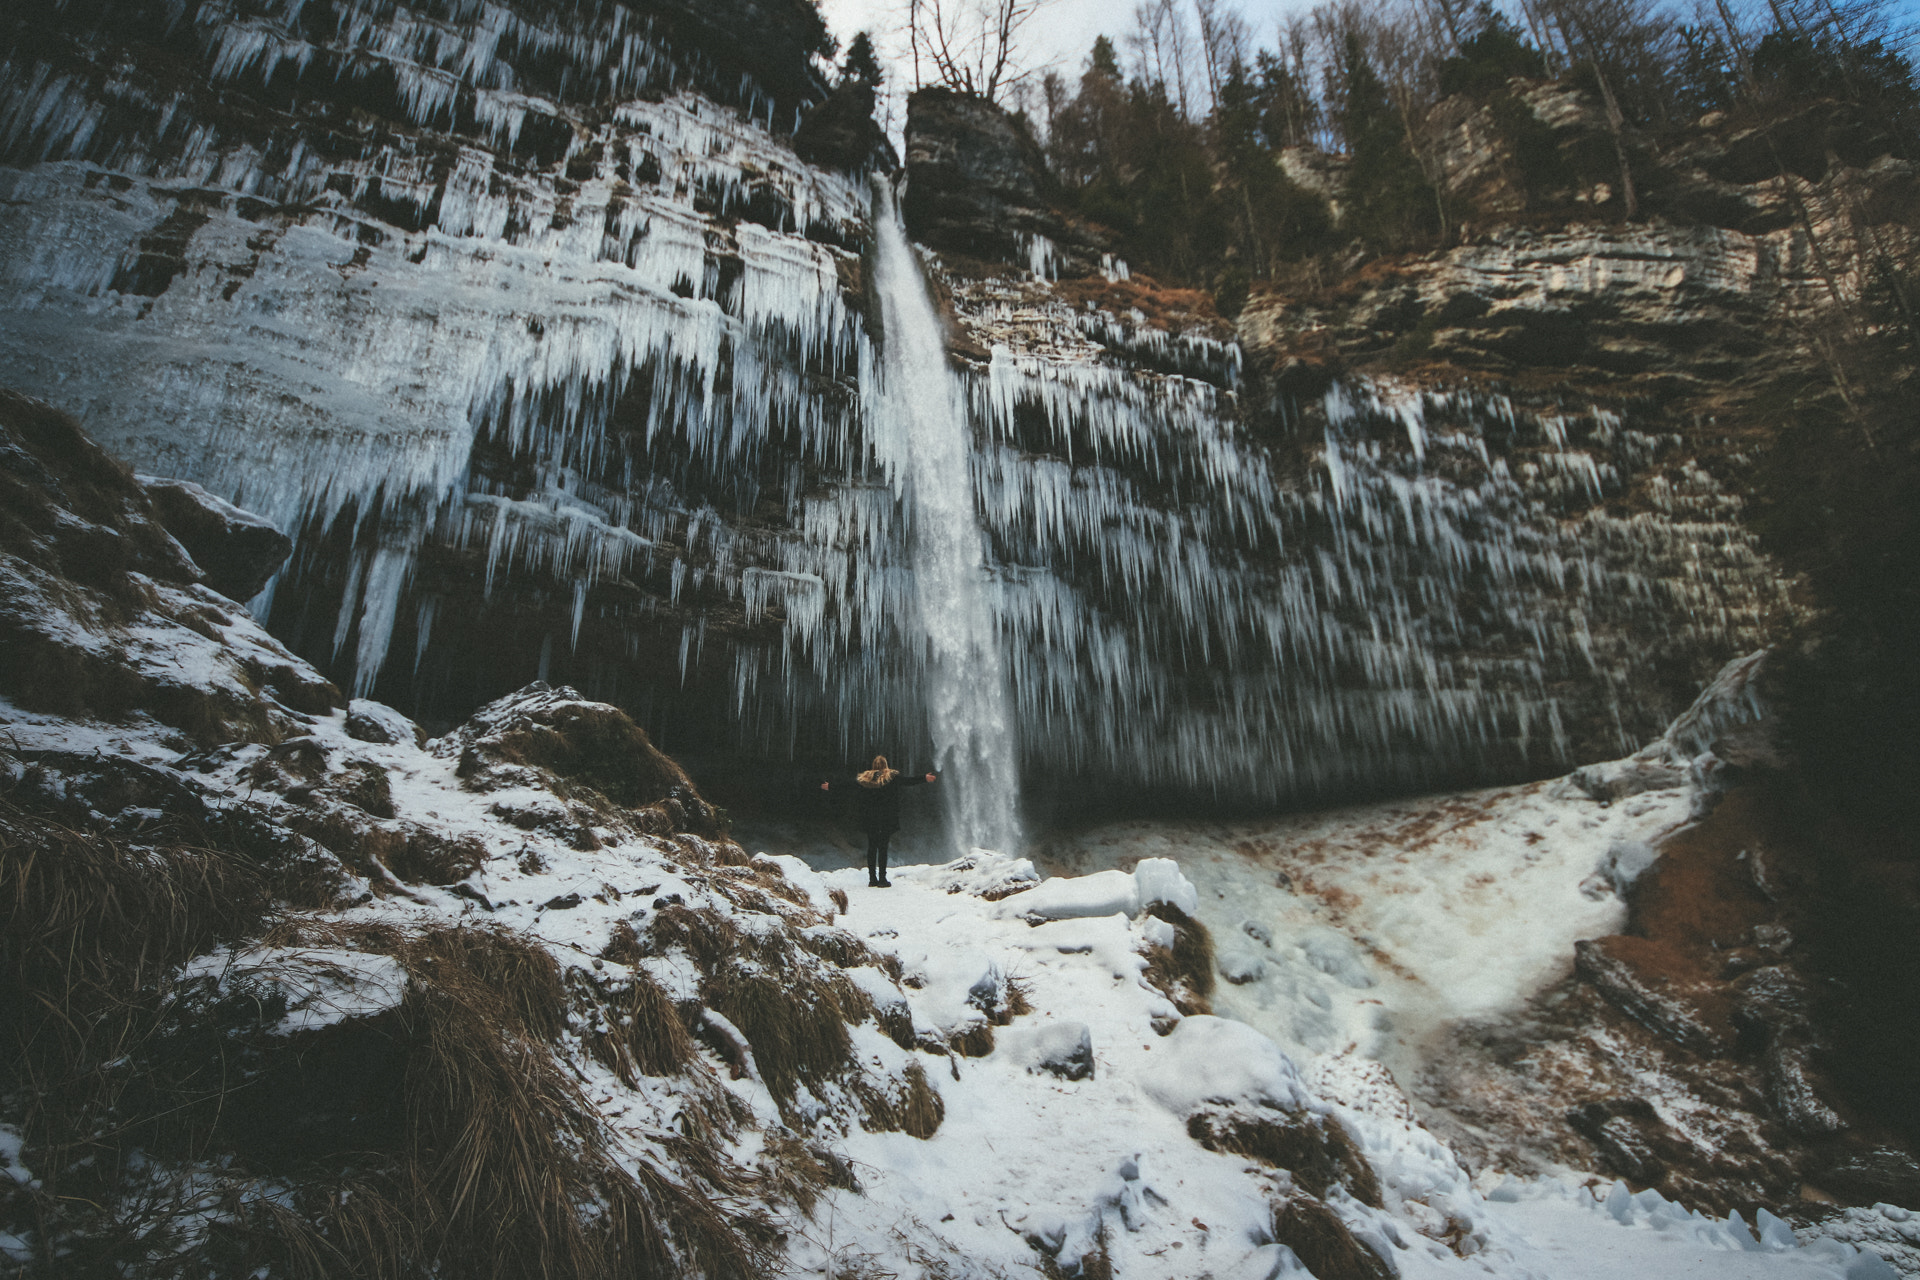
x,y
920,429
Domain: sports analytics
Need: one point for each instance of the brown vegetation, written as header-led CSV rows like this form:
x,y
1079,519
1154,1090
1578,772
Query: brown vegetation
x,y
1184,971
1321,1241
1317,1150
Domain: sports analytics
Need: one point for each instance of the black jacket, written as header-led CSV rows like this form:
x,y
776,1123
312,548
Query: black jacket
x,y
880,806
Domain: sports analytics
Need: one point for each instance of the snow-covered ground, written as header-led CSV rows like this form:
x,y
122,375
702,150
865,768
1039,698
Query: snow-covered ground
x,y
1027,1153
1371,928
1073,1136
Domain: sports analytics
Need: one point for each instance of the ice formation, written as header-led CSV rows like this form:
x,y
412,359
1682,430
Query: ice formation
x,y
605,334
920,430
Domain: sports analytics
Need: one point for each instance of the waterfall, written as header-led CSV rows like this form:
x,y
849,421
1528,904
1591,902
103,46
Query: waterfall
x,y
922,436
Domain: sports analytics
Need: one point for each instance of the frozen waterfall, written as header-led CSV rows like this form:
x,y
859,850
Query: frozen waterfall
x,y
921,434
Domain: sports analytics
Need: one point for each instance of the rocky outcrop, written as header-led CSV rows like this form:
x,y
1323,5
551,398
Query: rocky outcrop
x,y
104,614
841,133
237,550
978,185
1709,285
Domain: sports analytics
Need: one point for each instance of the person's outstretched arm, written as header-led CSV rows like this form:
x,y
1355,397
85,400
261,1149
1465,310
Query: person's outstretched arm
x,y
916,779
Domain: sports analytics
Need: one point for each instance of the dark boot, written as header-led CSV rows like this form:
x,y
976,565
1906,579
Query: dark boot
x,y
874,871
882,857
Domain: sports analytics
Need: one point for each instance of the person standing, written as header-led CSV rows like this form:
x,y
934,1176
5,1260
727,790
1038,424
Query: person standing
x,y
879,793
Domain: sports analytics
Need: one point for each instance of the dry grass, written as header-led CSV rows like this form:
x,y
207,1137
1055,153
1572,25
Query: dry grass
x,y
482,1159
795,1020
915,1109
1184,971
500,1169
795,1173
597,747
975,1042
517,980
1321,1241
89,931
634,1028
703,933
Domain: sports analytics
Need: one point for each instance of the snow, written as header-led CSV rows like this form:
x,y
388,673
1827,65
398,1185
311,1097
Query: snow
x,y
1027,1160
1209,1059
320,985
1024,1155
1377,926
1062,898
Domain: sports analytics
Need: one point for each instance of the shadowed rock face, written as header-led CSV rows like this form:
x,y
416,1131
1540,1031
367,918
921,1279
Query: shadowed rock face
x,y
103,614
841,132
978,185
238,551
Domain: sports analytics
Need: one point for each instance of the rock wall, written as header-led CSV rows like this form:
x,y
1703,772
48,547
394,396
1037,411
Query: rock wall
x,y
558,363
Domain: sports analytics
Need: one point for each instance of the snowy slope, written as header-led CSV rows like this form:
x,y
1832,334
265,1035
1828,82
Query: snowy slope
x,y
1371,928
1108,1159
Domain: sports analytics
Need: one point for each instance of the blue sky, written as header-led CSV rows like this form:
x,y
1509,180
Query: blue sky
x,y
1063,32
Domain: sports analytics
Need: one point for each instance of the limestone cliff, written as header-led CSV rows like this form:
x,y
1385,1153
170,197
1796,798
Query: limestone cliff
x,y
557,362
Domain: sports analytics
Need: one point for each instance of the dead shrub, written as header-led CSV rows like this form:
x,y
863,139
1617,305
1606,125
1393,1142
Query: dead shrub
x,y
1317,1150
703,933
1184,971
1321,1241
914,1108
795,1021
637,1030
839,897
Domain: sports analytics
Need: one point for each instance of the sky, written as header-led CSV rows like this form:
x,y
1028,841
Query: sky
x,y
1061,33
1059,36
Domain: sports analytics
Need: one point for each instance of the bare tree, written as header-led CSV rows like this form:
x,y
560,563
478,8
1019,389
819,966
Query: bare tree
x,y
1224,40
1162,47
1625,43
972,46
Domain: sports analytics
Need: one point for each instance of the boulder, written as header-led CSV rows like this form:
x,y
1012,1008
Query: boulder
x,y
1640,997
237,550
376,722
1615,1129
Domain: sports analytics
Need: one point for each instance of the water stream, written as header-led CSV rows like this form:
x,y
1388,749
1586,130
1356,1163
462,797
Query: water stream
x,y
922,436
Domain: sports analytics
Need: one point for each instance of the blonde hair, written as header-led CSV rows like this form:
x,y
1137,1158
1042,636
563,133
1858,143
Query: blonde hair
x,y
880,775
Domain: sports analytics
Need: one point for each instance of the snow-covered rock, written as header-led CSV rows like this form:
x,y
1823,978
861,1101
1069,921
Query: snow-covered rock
x,y
1104,893
1064,1048
371,721
238,550
1207,1059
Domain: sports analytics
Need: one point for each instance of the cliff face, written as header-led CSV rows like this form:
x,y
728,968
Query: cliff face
x,y
1470,511
559,363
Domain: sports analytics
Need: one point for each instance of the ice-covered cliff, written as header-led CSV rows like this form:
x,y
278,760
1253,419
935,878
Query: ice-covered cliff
x,y
526,321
